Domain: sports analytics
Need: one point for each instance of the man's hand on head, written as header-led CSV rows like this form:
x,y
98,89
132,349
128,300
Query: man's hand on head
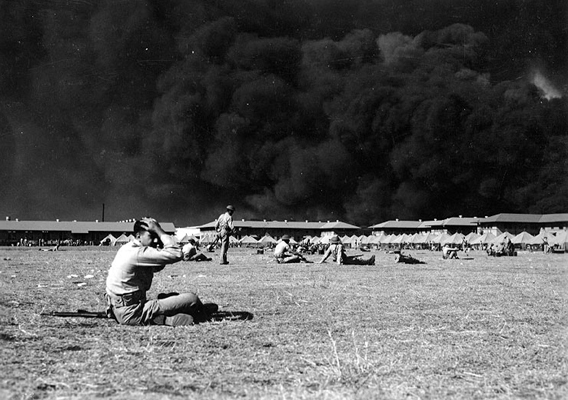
x,y
151,224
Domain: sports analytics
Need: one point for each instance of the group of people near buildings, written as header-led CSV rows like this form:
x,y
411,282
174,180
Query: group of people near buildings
x,y
131,273
284,254
132,270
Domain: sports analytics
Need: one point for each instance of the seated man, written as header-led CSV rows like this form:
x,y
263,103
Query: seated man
x,y
130,277
283,253
337,252
449,252
189,251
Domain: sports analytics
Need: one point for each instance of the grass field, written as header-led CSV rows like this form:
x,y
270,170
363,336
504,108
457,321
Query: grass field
x,y
474,329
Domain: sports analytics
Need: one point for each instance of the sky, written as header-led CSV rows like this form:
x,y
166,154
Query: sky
x,y
362,111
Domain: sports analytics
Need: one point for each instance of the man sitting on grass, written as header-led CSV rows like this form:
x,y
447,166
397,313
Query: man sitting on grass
x,y
284,255
337,251
190,253
130,277
449,252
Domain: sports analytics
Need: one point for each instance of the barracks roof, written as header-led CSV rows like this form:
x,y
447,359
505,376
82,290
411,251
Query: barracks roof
x,y
515,218
512,218
396,224
549,218
338,225
75,226
454,221
285,225
524,218
460,221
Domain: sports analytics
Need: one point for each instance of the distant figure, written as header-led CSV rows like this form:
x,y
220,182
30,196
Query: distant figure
x,y
337,252
283,253
506,248
509,247
407,259
449,252
190,253
224,227
130,277
55,248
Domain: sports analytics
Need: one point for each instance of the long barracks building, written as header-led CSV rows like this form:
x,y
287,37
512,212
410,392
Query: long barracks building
x,y
296,229
512,223
55,232
13,232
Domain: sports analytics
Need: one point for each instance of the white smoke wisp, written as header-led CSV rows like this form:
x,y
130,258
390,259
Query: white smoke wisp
x,y
548,90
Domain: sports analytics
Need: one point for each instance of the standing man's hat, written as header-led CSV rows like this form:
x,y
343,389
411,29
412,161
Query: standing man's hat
x,y
230,208
334,240
286,237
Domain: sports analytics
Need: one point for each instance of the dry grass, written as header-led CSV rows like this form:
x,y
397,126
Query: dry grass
x,y
481,328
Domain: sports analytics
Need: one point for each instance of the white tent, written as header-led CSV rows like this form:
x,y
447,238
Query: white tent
x,y
471,236
348,240
522,238
266,239
248,240
376,239
186,238
440,239
122,239
456,238
418,238
487,237
397,240
208,237
538,239
560,240
388,239
430,237
501,238
111,240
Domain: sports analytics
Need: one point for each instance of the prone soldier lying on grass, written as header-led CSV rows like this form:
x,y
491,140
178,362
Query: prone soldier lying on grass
x,y
130,277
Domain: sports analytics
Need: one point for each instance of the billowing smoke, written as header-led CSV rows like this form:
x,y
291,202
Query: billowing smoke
x,y
546,87
361,111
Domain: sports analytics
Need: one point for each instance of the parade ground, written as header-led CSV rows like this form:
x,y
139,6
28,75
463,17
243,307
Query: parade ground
x,y
478,327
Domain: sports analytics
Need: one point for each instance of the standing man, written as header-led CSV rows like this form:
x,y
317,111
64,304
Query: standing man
x,y
225,228
130,277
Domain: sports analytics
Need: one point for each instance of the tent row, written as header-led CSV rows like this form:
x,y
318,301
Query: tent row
x,y
558,239
523,238
116,241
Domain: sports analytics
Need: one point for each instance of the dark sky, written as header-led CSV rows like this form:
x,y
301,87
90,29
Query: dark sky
x,y
361,111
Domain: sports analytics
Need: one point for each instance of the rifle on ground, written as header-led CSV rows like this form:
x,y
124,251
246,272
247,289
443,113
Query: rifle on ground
x,y
78,313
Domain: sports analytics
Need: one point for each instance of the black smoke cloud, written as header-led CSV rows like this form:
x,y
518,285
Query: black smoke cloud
x,y
361,111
